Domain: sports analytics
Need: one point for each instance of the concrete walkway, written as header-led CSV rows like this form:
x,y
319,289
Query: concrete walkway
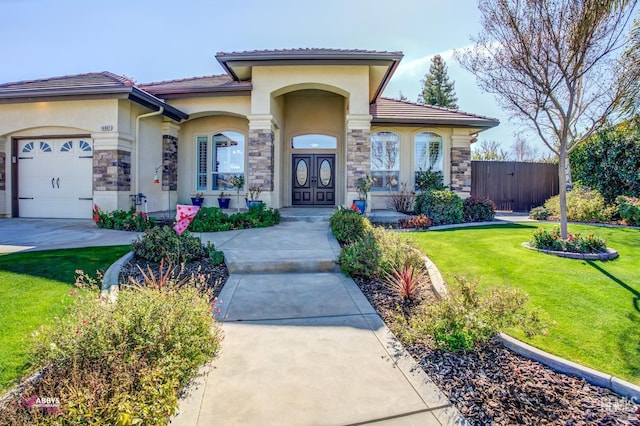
x,y
302,344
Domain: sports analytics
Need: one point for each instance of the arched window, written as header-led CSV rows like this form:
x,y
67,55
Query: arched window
x,y
428,152
220,156
385,161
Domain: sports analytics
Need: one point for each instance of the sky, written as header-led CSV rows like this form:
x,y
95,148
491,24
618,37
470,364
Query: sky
x,y
163,40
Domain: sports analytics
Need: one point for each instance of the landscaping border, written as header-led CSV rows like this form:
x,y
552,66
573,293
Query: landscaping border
x,y
110,286
561,365
610,254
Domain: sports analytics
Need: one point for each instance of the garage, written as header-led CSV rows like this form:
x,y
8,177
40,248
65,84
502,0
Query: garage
x,y
55,177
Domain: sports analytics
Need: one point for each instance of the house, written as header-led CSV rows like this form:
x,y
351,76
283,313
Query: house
x,y
303,124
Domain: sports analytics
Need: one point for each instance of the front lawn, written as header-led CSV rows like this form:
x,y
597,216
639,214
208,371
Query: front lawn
x,y
595,305
34,288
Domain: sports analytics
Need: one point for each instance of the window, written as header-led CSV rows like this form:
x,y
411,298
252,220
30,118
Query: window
x,y
220,156
429,153
314,142
385,161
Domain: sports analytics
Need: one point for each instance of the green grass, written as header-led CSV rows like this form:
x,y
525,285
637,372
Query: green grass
x,y
595,304
34,289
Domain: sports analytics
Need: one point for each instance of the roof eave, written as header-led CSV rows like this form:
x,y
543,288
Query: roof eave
x,y
200,91
471,123
386,79
145,99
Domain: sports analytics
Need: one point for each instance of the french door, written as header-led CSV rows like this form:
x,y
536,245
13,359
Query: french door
x,y
313,179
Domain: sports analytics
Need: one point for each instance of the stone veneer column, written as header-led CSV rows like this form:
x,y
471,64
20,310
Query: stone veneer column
x,y
358,149
112,170
260,151
170,156
461,165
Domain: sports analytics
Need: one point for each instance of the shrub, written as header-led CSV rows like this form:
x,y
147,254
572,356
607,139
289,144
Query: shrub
x,y
629,210
544,239
123,220
213,219
121,363
466,317
430,180
348,226
406,281
378,253
415,222
608,161
164,243
583,205
478,210
539,213
443,207
403,200
216,256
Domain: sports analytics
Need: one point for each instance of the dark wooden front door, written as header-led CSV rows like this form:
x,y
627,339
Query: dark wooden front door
x,y
313,179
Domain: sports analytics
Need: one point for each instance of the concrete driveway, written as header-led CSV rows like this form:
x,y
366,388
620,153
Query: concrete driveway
x,y
18,234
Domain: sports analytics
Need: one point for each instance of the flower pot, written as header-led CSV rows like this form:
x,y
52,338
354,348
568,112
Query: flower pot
x,y
361,205
251,204
223,203
197,201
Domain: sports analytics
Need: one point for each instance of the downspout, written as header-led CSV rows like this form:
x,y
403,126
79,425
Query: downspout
x,y
137,148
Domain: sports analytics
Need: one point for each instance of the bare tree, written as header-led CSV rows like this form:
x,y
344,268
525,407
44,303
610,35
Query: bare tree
x,y
488,150
521,150
552,64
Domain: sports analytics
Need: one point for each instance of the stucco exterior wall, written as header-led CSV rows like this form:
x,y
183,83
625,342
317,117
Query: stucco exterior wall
x,y
189,130
198,107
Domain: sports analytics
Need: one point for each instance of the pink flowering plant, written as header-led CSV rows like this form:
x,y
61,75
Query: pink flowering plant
x,y
124,220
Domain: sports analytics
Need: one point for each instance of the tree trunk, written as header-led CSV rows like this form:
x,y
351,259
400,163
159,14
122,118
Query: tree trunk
x,y
562,186
567,174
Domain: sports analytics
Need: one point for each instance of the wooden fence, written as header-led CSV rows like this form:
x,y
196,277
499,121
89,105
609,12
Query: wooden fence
x,y
513,185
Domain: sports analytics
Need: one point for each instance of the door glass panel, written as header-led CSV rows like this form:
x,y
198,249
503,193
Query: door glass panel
x,y
314,142
302,173
325,173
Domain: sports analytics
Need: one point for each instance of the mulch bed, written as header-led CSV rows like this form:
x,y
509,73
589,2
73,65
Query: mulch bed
x,y
215,276
495,386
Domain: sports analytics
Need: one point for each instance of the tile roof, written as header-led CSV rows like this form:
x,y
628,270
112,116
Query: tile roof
x,y
313,52
79,81
387,110
212,83
89,84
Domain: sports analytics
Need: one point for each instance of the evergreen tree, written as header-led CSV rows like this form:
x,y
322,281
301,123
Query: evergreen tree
x,y
436,88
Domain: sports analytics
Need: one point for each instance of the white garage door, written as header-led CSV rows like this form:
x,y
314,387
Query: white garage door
x,y
55,178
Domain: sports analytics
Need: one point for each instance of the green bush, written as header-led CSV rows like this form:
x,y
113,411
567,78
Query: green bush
x,y
123,220
443,207
430,180
629,210
377,254
609,160
544,239
348,226
478,210
121,363
216,256
583,205
212,219
164,243
467,318
539,213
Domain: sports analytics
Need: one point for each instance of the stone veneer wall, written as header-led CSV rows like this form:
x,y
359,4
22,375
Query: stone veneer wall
x,y
111,170
358,155
3,172
461,169
169,163
261,161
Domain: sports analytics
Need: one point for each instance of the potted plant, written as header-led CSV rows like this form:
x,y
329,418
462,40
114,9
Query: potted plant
x,y
223,200
197,199
363,186
253,195
237,181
